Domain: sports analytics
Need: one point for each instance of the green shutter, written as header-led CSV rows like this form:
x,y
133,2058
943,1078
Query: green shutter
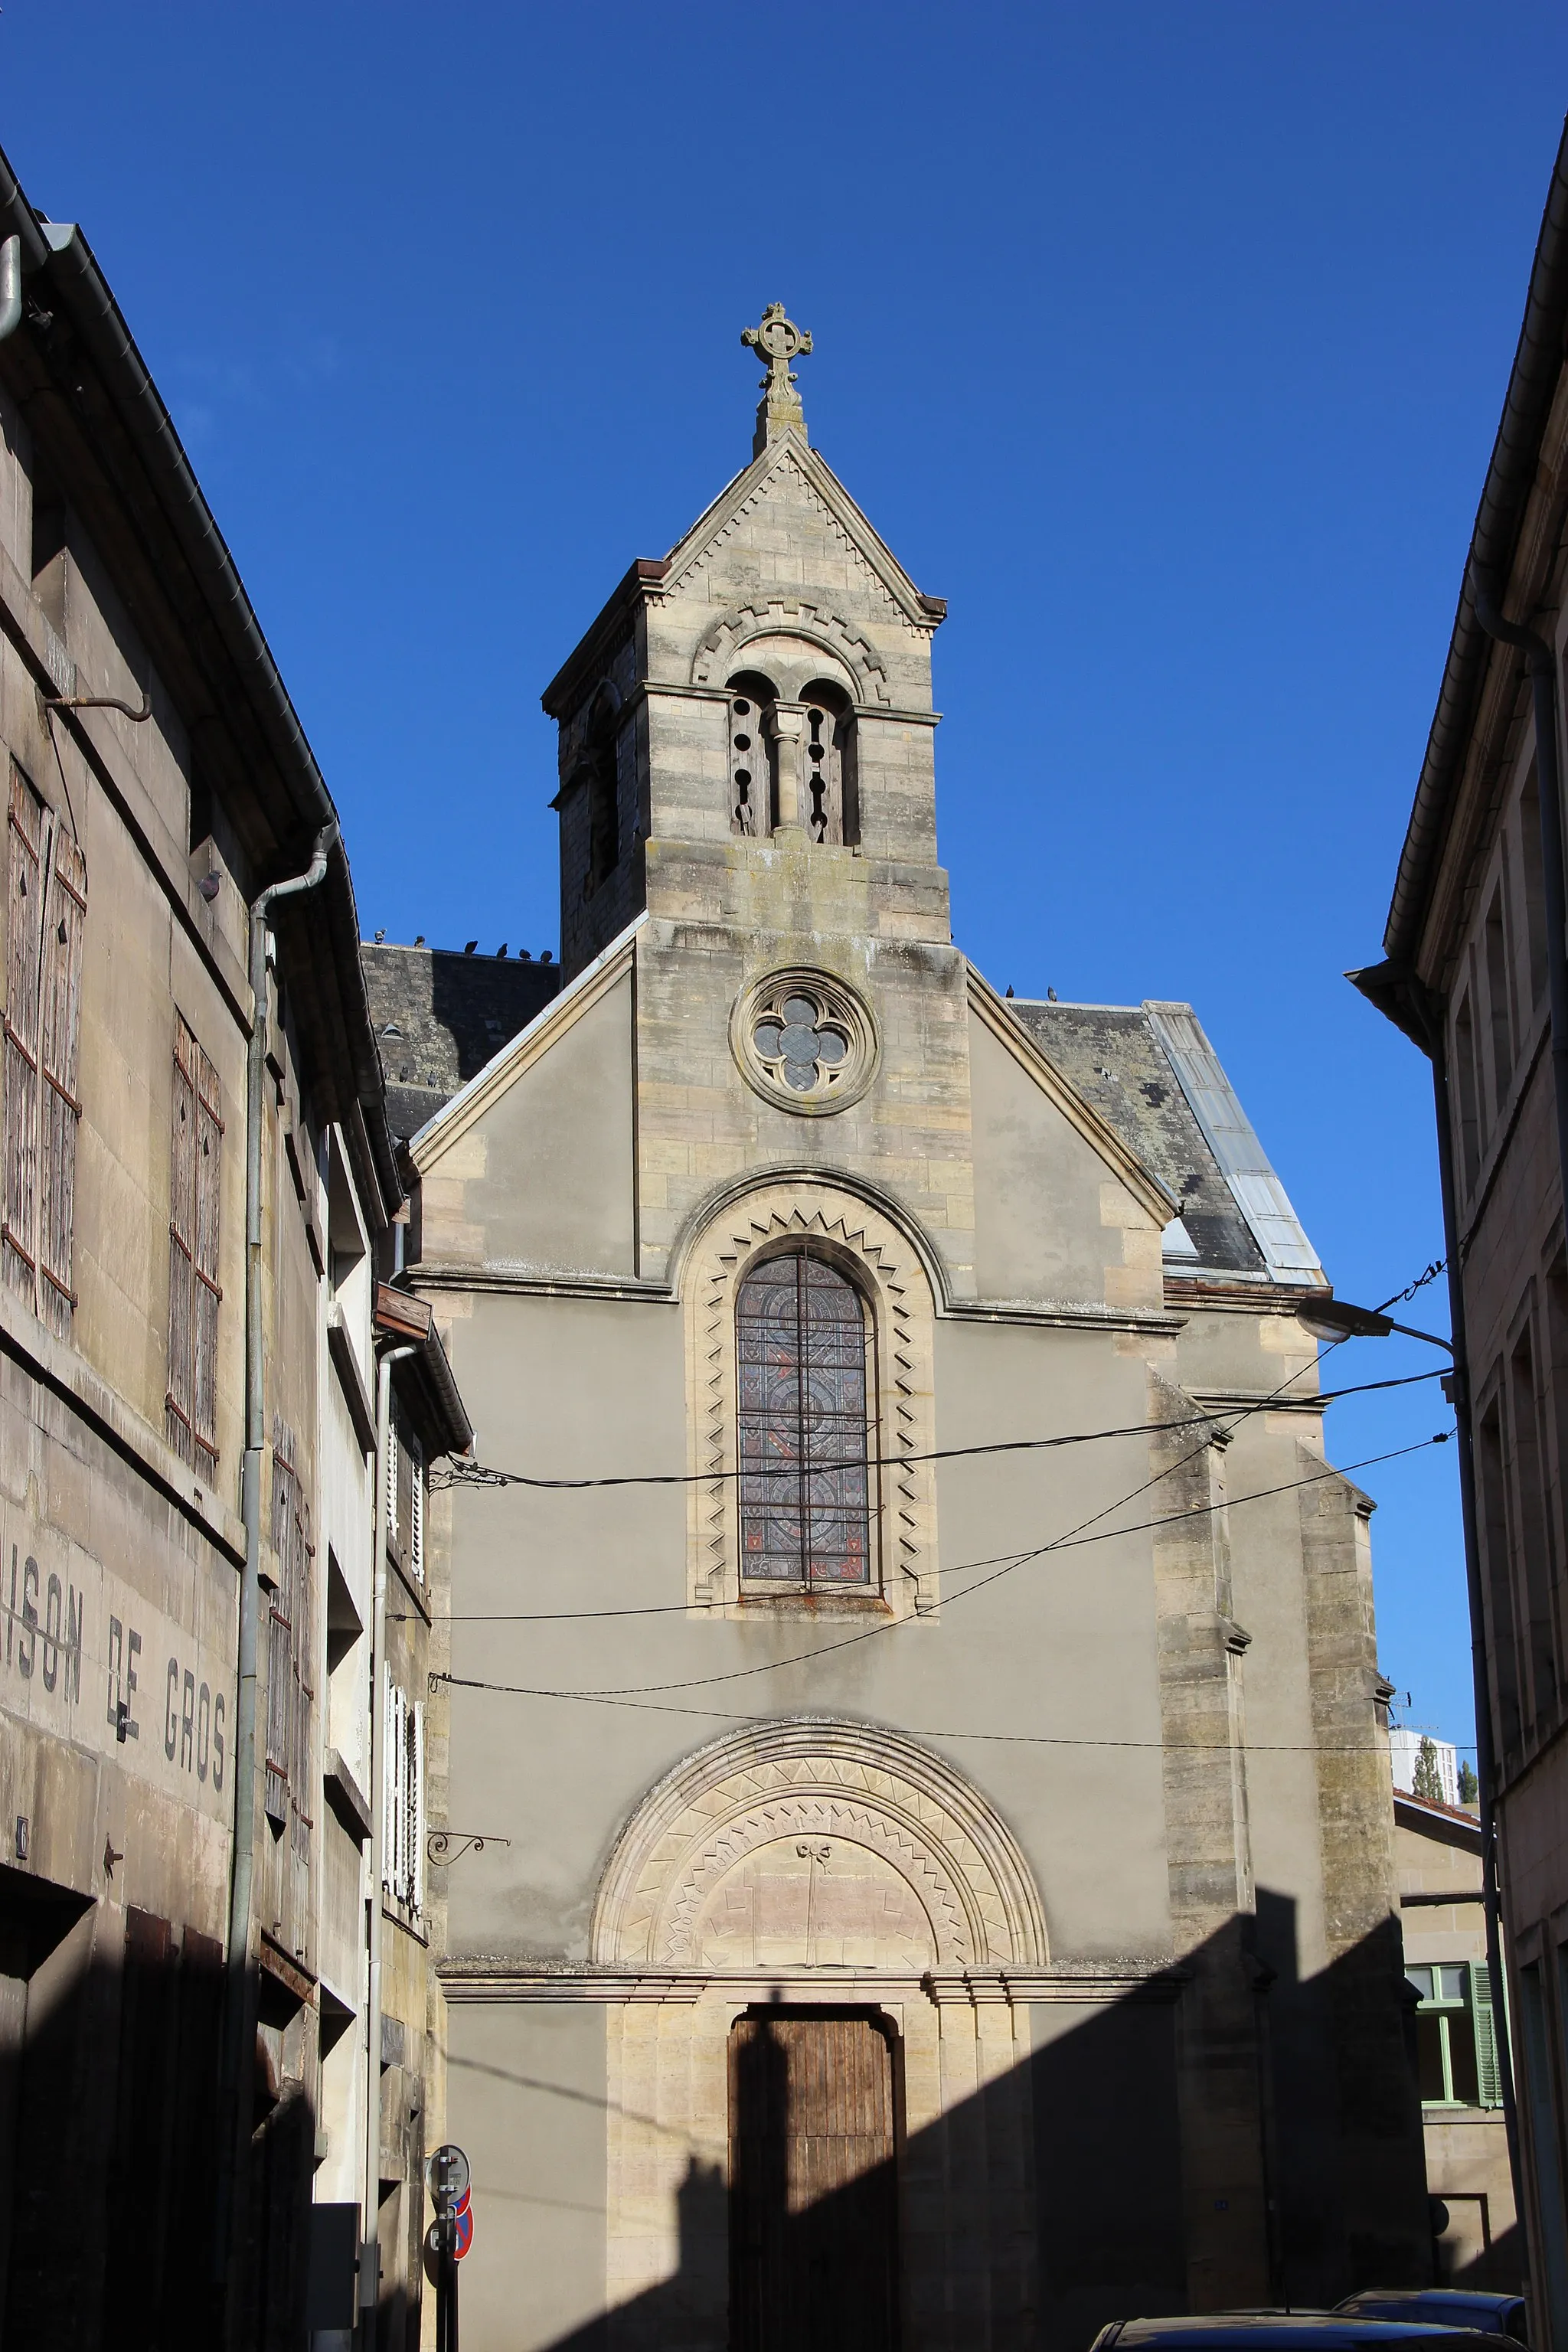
x,y
1481,2009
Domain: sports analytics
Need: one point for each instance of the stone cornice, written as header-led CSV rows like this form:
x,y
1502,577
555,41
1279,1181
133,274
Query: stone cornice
x,y
471,1981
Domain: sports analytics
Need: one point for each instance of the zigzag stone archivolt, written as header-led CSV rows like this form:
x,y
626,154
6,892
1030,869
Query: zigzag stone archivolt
x,y
897,1835
904,1317
719,650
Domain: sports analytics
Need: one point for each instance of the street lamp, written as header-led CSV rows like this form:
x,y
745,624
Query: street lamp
x,y
1336,1318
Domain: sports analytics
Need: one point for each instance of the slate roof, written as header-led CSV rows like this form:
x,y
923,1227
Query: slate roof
x,y
439,1016
1151,1072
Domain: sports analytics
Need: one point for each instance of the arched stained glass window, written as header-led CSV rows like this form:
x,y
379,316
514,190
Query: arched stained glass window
x,y
801,1347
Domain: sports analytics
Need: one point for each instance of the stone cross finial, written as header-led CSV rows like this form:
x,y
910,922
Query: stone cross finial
x,y
778,341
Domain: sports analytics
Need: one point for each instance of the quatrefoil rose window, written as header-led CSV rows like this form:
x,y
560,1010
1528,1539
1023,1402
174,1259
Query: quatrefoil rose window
x,y
804,1041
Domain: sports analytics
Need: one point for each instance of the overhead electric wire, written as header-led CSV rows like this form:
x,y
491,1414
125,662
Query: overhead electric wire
x,y
1074,1538
1084,1437
643,1697
1008,1738
481,1473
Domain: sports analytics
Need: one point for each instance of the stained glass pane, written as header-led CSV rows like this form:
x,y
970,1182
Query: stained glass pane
x,y
804,1457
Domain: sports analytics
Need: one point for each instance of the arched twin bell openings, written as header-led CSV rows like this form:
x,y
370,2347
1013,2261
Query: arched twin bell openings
x,y
791,762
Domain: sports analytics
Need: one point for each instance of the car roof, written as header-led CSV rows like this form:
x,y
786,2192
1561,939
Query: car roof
x,y
1446,2298
1299,2328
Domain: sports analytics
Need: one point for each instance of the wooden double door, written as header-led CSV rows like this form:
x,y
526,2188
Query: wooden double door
x,y
814,2194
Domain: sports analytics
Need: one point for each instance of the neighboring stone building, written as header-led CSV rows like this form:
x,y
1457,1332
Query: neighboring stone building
x,y
937,1851
1437,1851
1477,975
186,1521
440,1016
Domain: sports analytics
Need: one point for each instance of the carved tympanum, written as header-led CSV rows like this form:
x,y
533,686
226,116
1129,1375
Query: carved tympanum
x,y
812,1843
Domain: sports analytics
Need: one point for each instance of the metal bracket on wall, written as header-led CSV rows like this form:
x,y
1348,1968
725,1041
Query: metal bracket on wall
x,y
451,1846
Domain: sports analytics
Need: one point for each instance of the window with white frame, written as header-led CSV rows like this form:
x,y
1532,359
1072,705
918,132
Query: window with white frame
x,y
402,1848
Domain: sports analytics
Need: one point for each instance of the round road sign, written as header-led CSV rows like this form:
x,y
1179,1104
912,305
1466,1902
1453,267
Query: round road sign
x,y
446,2175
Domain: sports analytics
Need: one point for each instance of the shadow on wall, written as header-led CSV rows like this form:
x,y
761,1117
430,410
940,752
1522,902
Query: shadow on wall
x,y
108,2135
1176,2165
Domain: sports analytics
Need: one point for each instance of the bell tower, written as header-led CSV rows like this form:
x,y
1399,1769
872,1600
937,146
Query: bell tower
x,y
746,729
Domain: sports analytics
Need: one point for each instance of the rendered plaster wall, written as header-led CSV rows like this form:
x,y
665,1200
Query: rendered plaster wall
x,y
528,2101
547,1173
1108,2165
1050,1220
1236,1356
598,2134
1037,1651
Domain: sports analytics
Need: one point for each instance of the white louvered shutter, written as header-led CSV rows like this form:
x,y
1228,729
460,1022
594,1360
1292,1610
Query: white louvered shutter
x,y
389,1762
416,1823
417,1513
389,1472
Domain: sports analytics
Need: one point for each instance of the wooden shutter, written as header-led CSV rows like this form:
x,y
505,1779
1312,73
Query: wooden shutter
x,y
24,905
280,1629
178,1411
303,1676
195,1292
60,1036
208,1291
46,910
1482,2009
290,1684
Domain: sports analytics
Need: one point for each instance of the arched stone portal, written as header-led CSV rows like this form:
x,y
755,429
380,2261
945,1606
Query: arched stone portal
x,y
816,1864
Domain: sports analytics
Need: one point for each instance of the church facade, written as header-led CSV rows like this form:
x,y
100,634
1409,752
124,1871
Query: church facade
x,y
917,1862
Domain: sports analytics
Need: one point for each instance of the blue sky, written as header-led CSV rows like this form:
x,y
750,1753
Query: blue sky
x,y
1167,344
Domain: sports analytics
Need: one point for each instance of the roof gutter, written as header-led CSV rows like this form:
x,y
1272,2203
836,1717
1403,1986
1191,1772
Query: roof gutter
x,y
400,1317
1537,366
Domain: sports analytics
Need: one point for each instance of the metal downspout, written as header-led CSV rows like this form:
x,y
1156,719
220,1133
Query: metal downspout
x,y
10,287
238,2007
370,2238
1542,666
